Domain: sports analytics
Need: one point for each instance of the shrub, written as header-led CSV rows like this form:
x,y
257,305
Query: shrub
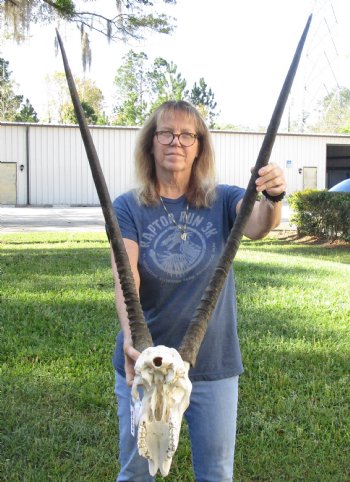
x,y
322,214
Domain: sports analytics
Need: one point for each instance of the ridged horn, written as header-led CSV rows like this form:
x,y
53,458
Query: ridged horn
x,y
196,331
139,330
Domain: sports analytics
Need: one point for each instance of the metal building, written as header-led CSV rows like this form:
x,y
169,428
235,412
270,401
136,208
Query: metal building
x,y
46,165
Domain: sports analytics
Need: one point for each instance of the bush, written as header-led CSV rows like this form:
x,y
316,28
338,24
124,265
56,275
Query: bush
x,y
321,213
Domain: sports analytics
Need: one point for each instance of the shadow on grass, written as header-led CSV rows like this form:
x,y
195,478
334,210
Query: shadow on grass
x,y
256,274
51,252
69,265
54,263
55,240
339,254
41,331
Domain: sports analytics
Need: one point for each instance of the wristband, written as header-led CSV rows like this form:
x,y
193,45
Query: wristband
x,y
274,199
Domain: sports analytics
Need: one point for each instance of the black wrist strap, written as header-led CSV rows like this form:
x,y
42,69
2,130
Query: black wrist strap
x,y
274,199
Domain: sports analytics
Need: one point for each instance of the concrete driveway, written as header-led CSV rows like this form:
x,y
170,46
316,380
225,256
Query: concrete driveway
x,y
65,219
31,219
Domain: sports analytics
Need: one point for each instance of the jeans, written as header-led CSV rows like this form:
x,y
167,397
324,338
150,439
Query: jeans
x,y
211,418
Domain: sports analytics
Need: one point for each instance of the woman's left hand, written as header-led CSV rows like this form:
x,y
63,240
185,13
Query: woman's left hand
x,y
271,179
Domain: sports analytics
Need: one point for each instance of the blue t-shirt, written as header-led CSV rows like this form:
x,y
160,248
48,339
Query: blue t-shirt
x,y
174,274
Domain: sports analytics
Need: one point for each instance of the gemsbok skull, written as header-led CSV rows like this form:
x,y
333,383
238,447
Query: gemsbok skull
x,y
162,372
163,376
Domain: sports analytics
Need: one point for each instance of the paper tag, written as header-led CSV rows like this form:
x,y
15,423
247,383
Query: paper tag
x,y
135,412
132,420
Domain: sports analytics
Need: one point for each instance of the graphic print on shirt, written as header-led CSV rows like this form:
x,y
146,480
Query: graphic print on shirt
x,y
169,258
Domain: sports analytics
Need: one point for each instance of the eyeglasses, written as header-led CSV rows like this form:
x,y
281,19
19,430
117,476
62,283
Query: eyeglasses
x,y
186,139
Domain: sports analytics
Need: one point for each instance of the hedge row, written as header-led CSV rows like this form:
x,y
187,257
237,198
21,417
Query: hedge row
x,y
322,214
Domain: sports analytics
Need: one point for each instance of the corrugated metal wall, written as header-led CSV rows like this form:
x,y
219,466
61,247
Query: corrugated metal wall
x,y
59,169
56,171
13,149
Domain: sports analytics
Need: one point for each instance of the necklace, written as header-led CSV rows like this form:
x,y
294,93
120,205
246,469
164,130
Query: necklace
x,y
182,229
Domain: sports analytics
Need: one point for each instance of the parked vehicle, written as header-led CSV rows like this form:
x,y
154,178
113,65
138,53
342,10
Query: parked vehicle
x,y
343,186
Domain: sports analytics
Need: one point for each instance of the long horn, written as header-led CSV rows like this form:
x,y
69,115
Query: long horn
x,y
139,330
196,331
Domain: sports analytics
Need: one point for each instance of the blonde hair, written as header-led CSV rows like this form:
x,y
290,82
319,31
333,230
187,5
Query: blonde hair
x,y
201,189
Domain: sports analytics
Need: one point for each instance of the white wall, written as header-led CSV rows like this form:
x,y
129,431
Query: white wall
x,y
59,173
59,169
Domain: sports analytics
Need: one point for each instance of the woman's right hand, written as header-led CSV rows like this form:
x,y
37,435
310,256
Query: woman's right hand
x,y
131,355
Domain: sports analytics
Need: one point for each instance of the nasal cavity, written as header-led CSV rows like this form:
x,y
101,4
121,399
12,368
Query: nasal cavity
x,y
157,361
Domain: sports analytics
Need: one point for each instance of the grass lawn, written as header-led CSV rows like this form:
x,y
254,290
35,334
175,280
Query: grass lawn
x,y
57,332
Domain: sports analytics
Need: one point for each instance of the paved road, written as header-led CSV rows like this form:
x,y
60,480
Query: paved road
x,y
31,219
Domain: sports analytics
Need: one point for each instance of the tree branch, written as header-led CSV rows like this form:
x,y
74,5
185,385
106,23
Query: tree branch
x,y
123,25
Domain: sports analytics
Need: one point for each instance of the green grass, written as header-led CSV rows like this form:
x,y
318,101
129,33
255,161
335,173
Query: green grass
x,y
57,332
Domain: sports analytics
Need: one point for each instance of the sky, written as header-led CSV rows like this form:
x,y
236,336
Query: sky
x,y
242,49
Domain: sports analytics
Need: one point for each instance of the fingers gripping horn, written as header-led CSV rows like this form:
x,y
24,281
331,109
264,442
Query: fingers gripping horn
x,y
140,334
196,331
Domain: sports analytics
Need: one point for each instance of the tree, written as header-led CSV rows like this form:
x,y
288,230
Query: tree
x,y
203,99
9,101
124,18
166,83
229,127
141,87
131,81
11,108
60,107
70,117
334,112
27,113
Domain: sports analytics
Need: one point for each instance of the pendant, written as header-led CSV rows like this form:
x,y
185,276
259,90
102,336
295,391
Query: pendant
x,y
183,236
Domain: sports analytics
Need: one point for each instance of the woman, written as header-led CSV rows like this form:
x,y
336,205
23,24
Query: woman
x,y
174,228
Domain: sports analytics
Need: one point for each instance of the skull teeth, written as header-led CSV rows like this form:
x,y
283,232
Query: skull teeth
x,y
172,440
141,441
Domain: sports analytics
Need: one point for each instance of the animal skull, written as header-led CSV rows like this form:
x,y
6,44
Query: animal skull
x,y
163,376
